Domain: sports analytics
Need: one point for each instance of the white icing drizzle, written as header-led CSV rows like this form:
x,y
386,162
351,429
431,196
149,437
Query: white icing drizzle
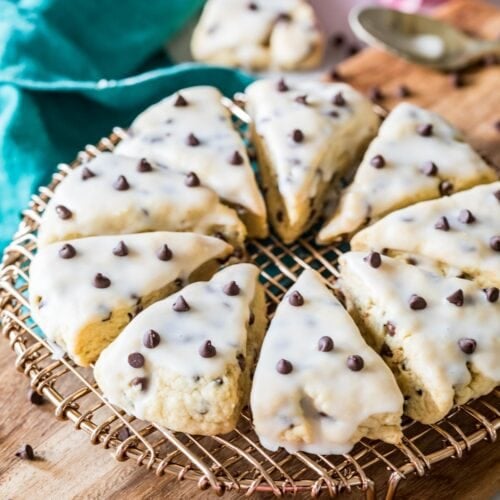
x,y
70,301
156,200
160,134
328,140
463,246
279,33
320,381
375,192
213,316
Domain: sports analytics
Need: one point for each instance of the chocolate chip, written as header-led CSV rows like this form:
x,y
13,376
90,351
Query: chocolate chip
x,y
121,184
468,346
296,299
241,361
207,350
142,382
219,381
164,253
35,398
386,351
302,99
442,224
390,329
355,363
495,243
101,281
26,452
334,114
374,259
281,86
180,102
123,434
378,161
297,135
283,17
121,250
63,212
87,173
403,91
231,289
457,80
429,168
456,298
425,130
67,251
180,304
338,99
375,94
253,6
144,166
466,216
192,180
251,318
151,339
236,158
136,360
445,188
192,140
496,194
492,294
279,216
325,344
284,367
417,303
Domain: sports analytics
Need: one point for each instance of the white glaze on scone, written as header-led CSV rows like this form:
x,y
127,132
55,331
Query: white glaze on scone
x,y
422,344
260,34
158,200
332,137
406,175
82,318
465,246
184,390
161,134
321,406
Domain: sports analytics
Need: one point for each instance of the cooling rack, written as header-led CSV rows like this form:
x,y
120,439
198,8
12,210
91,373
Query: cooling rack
x,y
233,462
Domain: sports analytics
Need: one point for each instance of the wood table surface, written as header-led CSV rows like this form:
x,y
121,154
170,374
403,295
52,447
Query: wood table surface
x,y
68,466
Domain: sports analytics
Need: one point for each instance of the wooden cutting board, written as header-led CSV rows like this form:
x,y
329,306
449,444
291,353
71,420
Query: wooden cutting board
x,y
70,467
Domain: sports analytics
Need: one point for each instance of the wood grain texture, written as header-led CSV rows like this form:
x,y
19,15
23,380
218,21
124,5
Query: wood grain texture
x,y
70,467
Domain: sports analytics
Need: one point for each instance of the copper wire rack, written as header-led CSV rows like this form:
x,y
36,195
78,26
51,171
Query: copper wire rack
x,y
233,462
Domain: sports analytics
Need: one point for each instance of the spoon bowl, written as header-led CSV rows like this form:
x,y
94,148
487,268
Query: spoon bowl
x,y
420,39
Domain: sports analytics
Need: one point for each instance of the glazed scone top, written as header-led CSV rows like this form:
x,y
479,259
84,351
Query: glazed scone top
x,y
417,155
280,33
315,334
215,312
443,323
114,194
191,131
92,277
468,238
298,136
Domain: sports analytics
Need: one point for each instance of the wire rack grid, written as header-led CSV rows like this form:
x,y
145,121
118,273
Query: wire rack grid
x,y
236,461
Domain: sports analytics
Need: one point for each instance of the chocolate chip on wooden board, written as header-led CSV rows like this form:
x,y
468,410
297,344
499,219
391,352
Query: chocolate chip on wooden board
x,y
35,398
26,452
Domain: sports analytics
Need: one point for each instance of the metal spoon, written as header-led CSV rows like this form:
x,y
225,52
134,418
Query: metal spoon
x,y
420,39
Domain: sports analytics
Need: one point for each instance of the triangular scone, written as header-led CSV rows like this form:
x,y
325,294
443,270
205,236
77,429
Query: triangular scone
x,y
84,292
318,386
114,194
416,156
258,35
307,135
439,335
185,363
460,231
192,131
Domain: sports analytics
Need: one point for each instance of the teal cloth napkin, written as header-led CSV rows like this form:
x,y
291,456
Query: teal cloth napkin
x,y
70,70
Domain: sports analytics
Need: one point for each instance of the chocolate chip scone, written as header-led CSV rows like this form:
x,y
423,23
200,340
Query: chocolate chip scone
x,y
308,135
84,292
318,386
185,363
440,336
460,232
416,156
192,131
259,35
114,194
